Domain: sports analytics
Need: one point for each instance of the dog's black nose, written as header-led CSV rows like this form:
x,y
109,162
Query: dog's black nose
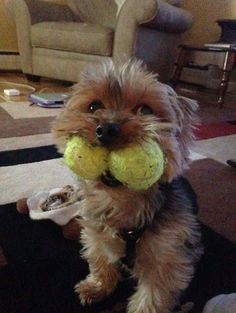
x,y
107,133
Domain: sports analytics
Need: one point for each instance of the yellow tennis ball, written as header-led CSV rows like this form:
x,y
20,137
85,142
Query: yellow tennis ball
x,y
139,166
87,161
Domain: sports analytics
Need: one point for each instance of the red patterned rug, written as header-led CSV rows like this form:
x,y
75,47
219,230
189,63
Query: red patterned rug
x,y
207,131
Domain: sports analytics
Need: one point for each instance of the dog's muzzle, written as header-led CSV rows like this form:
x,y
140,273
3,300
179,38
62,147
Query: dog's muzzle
x,y
110,180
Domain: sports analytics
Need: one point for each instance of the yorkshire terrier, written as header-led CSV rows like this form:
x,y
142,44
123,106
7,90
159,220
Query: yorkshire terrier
x,y
153,234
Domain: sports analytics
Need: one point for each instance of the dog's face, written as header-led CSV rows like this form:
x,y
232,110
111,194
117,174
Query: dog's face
x,y
117,106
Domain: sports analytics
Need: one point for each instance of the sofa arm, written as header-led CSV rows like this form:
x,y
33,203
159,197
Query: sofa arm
x,y
171,19
131,14
21,16
28,12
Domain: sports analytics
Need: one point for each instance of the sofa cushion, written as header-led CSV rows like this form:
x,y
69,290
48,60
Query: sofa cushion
x,y
71,36
103,12
176,3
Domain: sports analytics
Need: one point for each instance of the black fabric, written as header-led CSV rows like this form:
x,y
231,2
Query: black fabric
x,y
43,268
216,272
29,155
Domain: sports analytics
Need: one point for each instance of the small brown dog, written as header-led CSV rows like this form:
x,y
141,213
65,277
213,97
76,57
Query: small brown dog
x,y
154,234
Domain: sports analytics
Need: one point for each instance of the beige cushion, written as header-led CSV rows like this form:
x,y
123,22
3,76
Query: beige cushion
x,y
70,36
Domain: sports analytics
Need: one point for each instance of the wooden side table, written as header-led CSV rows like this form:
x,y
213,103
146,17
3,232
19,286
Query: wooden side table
x,y
228,66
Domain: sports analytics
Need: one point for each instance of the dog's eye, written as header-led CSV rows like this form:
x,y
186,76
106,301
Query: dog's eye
x,y
144,110
95,105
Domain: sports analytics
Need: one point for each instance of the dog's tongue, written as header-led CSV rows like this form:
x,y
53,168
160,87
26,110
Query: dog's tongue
x,y
110,180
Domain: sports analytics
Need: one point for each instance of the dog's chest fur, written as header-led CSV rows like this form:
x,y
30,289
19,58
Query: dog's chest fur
x,y
169,219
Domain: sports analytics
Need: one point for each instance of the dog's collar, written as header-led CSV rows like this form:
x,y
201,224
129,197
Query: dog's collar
x,y
131,238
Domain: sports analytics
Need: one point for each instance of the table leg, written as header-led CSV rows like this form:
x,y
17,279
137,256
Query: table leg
x,y
179,67
229,62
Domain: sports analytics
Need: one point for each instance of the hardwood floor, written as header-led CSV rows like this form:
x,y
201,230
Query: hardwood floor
x,y
7,80
200,94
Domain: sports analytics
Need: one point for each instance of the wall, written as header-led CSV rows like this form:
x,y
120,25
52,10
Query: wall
x,y
205,29
8,39
206,12
7,30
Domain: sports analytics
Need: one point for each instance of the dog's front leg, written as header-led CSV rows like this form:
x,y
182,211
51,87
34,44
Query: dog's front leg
x,y
102,279
162,272
98,284
148,299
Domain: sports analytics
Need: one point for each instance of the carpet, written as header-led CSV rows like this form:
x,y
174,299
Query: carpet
x,y
42,267
213,130
19,119
215,185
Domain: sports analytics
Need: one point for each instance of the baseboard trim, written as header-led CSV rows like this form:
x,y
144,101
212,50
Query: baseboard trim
x,y
9,52
9,60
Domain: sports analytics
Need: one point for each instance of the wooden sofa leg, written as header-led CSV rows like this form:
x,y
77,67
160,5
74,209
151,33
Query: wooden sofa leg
x,y
33,78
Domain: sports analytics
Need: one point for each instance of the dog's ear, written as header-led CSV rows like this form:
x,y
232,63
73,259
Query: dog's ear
x,y
186,121
187,109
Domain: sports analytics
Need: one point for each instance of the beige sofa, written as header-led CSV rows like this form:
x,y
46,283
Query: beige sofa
x,y
57,41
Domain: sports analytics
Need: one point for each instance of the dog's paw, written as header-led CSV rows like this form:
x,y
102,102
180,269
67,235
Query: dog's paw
x,y
90,291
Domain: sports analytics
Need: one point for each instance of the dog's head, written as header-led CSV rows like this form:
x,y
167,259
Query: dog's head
x,y
117,106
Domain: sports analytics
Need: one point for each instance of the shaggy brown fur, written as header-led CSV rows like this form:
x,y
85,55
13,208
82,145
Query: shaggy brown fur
x,y
166,251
